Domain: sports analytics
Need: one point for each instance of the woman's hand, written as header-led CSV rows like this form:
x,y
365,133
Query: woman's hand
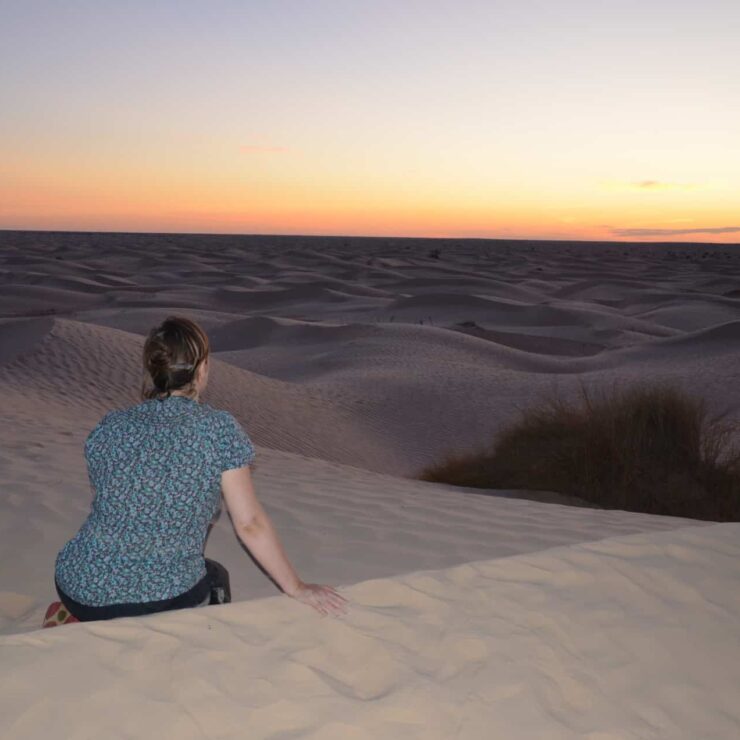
x,y
322,598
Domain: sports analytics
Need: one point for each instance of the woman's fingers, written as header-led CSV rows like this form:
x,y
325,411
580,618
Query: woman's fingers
x,y
340,606
335,597
332,602
338,601
325,599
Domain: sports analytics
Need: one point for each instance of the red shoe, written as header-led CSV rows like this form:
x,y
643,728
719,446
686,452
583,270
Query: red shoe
x,y
57,614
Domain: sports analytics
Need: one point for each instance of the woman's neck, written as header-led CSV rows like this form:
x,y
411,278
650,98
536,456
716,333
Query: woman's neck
x,y
185,395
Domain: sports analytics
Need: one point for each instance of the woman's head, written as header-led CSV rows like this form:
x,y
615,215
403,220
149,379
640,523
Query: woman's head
x,y
176,359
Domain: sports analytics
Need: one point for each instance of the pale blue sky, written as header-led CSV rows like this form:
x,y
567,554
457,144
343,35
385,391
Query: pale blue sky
x,y
531,98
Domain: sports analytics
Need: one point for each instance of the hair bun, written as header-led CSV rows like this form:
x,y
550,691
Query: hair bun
x,y
172,352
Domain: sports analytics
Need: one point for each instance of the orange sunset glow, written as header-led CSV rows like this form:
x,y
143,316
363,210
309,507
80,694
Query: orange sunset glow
x,y
480,119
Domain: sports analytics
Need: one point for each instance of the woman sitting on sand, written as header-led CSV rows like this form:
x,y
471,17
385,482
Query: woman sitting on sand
x,y
158,470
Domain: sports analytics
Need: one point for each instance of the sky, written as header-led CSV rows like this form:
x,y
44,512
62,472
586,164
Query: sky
x,y
532,119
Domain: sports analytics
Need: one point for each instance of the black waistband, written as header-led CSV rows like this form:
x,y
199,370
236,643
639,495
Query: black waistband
x,y
192,597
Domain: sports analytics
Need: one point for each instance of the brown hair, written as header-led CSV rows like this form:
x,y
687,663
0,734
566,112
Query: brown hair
x,y
173,352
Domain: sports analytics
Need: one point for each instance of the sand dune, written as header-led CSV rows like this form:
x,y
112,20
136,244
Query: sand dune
x,y
353,363
21,336
719,338
626,637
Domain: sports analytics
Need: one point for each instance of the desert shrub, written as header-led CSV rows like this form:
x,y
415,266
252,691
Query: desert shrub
x,y
648,448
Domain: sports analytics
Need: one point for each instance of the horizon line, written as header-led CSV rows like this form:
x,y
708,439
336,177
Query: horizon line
x,y
365,236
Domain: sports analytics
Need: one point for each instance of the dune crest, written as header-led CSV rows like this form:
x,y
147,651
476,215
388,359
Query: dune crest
x,y
539,645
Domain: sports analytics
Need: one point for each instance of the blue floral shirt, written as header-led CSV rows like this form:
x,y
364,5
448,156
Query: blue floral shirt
x,y
155,469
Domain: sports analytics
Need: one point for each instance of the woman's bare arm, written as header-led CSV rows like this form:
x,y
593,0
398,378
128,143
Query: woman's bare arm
x,y
255,529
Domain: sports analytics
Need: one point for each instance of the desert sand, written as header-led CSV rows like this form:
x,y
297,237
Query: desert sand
x,y
353,363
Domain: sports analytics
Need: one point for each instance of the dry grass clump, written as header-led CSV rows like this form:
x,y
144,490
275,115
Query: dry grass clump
x,y
649,448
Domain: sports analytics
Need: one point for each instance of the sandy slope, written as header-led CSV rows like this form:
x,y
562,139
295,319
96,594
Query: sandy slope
x,y
628,637
352,364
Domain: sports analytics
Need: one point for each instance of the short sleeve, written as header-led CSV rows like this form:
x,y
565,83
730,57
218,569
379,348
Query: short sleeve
x,y
233,446
97,429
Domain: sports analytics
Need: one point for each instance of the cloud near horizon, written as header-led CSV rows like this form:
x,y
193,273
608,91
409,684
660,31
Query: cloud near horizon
x,y
252,148
657,185
650,185
675,232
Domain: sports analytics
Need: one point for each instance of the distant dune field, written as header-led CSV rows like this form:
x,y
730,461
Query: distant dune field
x,y
353,363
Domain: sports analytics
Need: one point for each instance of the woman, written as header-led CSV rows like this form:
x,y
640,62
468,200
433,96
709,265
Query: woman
x,y
158,470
